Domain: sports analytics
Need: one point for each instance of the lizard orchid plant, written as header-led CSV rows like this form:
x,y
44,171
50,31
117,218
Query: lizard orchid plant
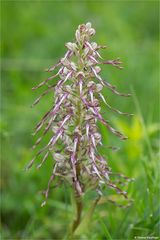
x,y
72,120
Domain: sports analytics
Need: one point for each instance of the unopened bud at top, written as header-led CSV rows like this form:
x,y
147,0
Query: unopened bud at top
x,y
91,31
84,32
88,25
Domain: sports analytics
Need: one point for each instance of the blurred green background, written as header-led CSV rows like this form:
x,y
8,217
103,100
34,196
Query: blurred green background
x,y
33,37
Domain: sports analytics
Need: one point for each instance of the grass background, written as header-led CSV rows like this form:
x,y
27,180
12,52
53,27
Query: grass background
x,y
33,36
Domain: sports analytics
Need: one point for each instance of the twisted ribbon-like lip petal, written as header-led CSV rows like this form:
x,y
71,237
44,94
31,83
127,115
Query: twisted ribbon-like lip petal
x,y
111,87
113,109
48,79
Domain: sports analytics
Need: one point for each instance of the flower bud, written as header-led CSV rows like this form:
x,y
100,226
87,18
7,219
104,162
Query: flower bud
x,y
68,88
90,84
86,51
58,157
65,62
92,31
71,46
80,74
88,25
82,28
90,63
78,36
97,137
94,45
99,87
65,71
98,69
73,66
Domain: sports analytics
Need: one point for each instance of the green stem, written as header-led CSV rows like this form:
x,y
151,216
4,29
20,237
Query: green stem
x,y
77,220
78,122
79,208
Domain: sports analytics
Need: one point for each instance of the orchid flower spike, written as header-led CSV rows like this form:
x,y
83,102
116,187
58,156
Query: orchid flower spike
x,y
72,120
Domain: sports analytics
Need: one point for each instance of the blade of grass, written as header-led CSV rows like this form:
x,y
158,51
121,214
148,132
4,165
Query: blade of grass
x,y
105,229
139,111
